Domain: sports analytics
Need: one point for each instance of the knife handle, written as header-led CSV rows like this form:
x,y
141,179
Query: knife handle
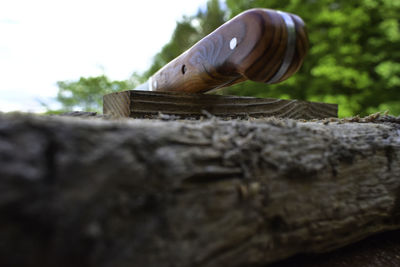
x,y
261,45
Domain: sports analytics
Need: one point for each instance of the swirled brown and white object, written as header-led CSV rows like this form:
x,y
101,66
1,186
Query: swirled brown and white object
x,y
261,45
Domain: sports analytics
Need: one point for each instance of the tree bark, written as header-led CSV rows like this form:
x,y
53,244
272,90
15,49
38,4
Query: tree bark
x,y
382,249
95,192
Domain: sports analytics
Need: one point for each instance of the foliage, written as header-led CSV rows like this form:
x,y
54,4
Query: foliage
x,y
184,36
353,60
354,57
188,31
87,93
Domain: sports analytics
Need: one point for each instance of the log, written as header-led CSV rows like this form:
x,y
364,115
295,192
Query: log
x,y
379,250
145,104
97,192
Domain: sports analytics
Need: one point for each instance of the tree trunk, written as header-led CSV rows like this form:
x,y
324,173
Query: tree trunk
x,y
94,192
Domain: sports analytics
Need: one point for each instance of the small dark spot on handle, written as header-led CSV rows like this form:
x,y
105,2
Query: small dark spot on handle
x,y
183,69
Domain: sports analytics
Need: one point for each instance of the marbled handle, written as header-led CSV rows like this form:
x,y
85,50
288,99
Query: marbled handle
x,y
261,45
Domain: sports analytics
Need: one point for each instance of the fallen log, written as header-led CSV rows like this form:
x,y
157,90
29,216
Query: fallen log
x,y
378,250
97,192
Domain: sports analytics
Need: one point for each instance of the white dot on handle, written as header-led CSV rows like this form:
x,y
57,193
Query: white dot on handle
x,y
154,85
233,43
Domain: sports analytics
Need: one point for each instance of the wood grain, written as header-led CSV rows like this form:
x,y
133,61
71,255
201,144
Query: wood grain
x,y
261,38
139,104
100,193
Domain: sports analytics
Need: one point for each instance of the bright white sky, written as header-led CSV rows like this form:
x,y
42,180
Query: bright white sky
x,y
45,41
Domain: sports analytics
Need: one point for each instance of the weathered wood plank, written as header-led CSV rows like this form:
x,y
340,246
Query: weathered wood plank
x,y
139,104
92,192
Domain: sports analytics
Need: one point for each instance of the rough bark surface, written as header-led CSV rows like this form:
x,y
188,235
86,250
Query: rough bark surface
x,y
95,192
379,250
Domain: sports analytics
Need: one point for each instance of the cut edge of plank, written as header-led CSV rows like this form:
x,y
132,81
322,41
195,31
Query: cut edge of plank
x,y
117,104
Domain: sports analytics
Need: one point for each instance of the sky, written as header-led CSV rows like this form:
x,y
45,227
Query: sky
x,y
45,41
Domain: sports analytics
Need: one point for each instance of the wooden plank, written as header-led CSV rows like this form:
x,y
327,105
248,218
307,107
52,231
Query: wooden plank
x,y
142,104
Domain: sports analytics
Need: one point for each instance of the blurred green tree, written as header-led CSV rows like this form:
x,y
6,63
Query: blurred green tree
x,y
184,36
188,31
354,59
87,93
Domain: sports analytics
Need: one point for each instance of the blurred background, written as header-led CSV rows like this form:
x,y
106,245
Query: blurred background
x,y
58,56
